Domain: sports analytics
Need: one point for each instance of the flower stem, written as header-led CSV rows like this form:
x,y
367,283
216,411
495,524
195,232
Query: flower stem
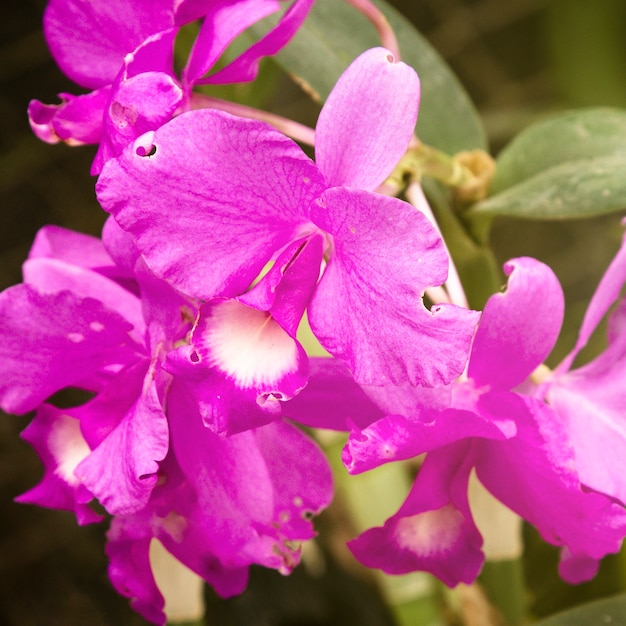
x,y
292,129
376,17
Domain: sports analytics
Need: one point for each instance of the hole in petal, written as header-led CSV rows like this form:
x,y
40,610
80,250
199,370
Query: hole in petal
x,y
143,152
144,145
391,58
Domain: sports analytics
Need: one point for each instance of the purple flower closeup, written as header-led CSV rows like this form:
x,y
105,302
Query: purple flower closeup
x,y
520,449
94,318
123,51
230,205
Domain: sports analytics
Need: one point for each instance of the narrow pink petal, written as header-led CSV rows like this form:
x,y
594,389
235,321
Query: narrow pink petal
x,y
52,341
367,121
396,437
286,289
518,327
223,205
77,120
367,309
223,22
606,294
57,439
245,67
433,531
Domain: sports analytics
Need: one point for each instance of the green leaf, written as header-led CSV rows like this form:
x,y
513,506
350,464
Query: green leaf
x,y
575,136
570,166
574,189
608,611
335,33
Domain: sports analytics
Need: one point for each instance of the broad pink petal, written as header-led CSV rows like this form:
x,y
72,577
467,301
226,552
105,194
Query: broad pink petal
x,y
223,22
89,38
518,327
245,67
52,341
56,437
51,276
224,205
77,120
367,121
433,531
367,309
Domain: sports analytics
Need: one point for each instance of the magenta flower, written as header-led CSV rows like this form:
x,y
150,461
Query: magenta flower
x,y
123,52
591,399
219,505
519,448
228,206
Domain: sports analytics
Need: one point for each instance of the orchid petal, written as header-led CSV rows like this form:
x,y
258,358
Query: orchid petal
x,y
396,437
137,105
286,289
332,399
55,242
518,327
51,276
245,67
89,38
301,478
223,22
606,294
534,475
433,531
41,331
76,121
591,401
56,437
367,309
128,550
358,146
122,471
222,207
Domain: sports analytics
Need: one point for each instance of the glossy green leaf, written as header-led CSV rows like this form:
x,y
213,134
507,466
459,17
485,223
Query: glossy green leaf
x,y
575,136
608,611
335,33
574,189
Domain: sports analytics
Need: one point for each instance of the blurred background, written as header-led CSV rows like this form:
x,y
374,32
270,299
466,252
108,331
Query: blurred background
x,y
520,61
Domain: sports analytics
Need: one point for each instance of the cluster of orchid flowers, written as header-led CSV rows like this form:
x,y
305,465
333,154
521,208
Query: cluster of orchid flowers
x,y
181,322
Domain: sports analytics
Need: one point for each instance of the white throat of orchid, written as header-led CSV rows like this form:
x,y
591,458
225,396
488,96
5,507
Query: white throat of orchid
x,y
246,344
